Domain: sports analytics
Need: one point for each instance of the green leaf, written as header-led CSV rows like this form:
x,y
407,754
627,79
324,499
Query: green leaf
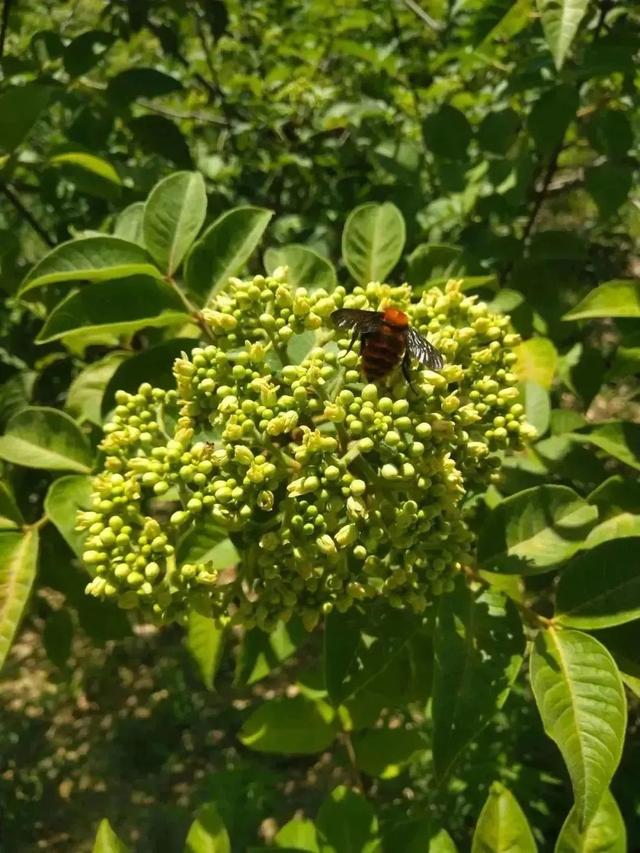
x,y
298,834
173,215
107,841
502,826
601,587
618,502
128,225
205,642
306,267
261,652
20,106
84,397
560,22
535,530
290,727
85,51
118,307
18,563
57,637
551,115
45,438
447,133
418,836
386,752
372,241
537,406
154,365
609,131
620,439
223,250
618,298
606,832
609,185
158,135
341,638
581,700
90,259
346,823
65,497
97,166
537,361
430,261
207,833
10,515
207,542
478,650
498,130
134,83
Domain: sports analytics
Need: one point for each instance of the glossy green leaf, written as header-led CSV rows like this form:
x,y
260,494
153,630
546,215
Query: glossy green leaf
x,y
537,361
502,825
128,224
97,166
207,834
65,497
57,636
118,307
618,298
290,727
208,543
205,642
606,832
260,652
90,259
535,530
601,587
618,502
84,397
298,834
134,83
154,365
430,261
620,439
20,106
537,406
346,823
45,438
18,563
581,700
386,752
478,650
372,241
107,841
306,267
173,215
10,516
560,22
223,250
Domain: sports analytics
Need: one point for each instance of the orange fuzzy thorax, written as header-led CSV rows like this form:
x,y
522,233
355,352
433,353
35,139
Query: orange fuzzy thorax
x,y
395,317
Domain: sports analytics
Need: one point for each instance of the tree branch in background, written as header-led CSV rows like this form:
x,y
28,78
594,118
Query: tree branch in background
x,y
424,16
4,25
26,215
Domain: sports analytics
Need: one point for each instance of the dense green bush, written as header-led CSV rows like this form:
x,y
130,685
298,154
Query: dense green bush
x,y
186,435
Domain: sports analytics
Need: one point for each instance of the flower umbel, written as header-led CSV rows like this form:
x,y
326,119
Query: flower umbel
x,y
331,490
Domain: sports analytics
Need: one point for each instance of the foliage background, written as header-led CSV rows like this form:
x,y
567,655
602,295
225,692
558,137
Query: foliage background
x,y
510,145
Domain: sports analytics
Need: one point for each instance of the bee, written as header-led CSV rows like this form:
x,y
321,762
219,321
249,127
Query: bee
x,y
386,340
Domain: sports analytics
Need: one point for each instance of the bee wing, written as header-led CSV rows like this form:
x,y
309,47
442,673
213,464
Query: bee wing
x,y
352,318
423,351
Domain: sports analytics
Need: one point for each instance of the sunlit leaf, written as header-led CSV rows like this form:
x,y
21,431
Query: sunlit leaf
x,y
10,515
298,834
173,215
537,361
205,642
606,832
128,225
560,22
107,841
582,703
295,726
372,241
18,561
45,438
207,834
65,497
97,166
346,823
618,298
386,752
502,826
306,267
85,393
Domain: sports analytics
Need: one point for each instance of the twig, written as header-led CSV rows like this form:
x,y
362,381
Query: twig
x,y
424,16
192,310
353,764
4,26
27,215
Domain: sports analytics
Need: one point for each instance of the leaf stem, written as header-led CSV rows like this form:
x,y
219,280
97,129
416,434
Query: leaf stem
x,y
193,312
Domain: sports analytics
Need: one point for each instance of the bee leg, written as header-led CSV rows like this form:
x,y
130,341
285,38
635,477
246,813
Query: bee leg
x,y
406,373
354,338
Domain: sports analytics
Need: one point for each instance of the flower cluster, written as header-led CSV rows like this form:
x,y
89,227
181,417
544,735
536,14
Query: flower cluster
x,y
332,490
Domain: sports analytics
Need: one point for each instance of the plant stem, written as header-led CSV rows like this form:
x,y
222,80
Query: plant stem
x,y
26,215
353,765
4,26
193,312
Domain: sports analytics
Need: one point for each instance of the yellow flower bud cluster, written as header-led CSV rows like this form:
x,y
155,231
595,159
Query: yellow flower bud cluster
x,y
332,490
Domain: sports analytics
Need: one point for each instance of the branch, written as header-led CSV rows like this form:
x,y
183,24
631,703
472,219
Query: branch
x,y
27,215
424,16
4,26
